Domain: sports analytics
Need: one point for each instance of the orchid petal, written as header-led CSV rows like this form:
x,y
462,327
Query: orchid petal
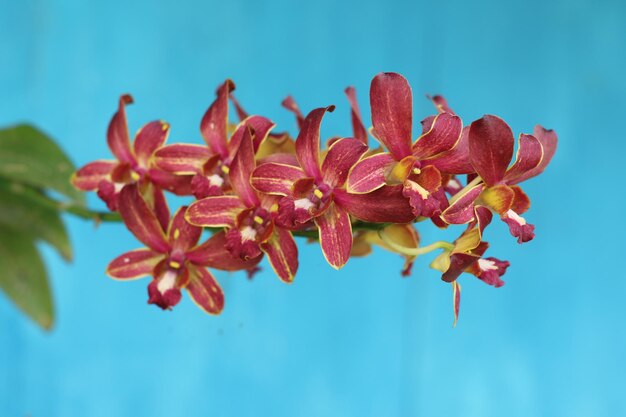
x,y
518,226
219,211
214,124
462,209
456,301
134,264
529,156
205,291
182,158
341,157
241,170
370,173
441,104
117,133
308,142
548,140
282,252
420,192
358,128
140,220
176,184
290,104
88,177
391,102
384,205
521,202
157,202
213,254
443,135
274,178
148,139
260,126
182,235
335,234
456,160
500,197
491,144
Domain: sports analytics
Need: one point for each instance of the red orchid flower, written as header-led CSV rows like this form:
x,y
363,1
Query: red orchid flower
x,y
491,143
249,217
174,259
133,164
316,191
406,163
210,164
467,253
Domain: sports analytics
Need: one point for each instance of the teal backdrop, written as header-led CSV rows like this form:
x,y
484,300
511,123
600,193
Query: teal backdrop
x,y
362,341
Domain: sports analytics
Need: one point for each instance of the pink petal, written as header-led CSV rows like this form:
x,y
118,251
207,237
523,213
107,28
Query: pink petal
x,y
529,155
491,144
205,291
220,211
462,210
441,104
370,173
88,177
290,104
260,126
456,160
214,124
358,128
140,220
150,138
182,235
241,170
274,178
335,233
384,205
182,158
117,133
548,140
282,252
308,142
158,204
443,135
341,157
176,184
391,101
518,226
134,264
456,300
213,254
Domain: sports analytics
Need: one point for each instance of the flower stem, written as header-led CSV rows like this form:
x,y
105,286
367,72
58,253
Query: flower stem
x,y
404,250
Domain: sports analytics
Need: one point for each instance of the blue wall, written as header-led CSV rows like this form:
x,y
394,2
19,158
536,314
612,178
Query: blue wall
x,y
363,341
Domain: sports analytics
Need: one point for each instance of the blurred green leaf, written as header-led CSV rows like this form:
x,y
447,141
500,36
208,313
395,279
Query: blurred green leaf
x,y
28,156
23,277
26,210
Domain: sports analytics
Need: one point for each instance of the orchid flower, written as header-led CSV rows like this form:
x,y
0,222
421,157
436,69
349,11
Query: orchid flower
x,y
407,162
491,145
173,258
316,191
210,164
133,165
466,254
249,217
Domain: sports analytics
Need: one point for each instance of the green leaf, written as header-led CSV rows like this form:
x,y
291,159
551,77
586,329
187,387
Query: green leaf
x,y
24,209
23,277
27,155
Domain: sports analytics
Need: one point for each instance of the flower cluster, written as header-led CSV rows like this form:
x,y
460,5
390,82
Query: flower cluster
x,y
255,189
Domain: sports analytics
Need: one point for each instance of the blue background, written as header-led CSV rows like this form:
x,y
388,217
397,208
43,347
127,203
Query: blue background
x,y
363,341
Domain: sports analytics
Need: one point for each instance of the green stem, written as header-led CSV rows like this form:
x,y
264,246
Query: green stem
x,y
470,185
404,250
